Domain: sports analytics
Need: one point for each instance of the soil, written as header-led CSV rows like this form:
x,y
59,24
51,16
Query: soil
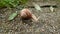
x,y
48,23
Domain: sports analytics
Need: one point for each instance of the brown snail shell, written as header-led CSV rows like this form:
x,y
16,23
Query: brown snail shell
x,y
26,14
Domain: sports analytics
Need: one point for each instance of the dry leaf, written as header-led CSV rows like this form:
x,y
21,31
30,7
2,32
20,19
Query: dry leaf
x,y
12,16
51,8
37,7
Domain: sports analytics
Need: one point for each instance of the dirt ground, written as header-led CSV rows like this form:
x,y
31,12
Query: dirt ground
x,y
48,23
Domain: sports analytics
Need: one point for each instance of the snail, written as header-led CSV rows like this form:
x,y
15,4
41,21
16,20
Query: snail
x,y
27,14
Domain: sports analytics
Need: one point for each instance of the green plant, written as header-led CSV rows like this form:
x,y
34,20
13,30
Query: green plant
x,y
11,3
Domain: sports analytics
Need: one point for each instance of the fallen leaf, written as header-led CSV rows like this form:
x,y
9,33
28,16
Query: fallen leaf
x,y
37,7
51,8
12,16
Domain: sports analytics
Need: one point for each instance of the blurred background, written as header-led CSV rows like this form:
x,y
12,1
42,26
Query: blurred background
x,y
48,12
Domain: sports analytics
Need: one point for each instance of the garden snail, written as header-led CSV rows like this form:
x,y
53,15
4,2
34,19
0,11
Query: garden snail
x,y
27,14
